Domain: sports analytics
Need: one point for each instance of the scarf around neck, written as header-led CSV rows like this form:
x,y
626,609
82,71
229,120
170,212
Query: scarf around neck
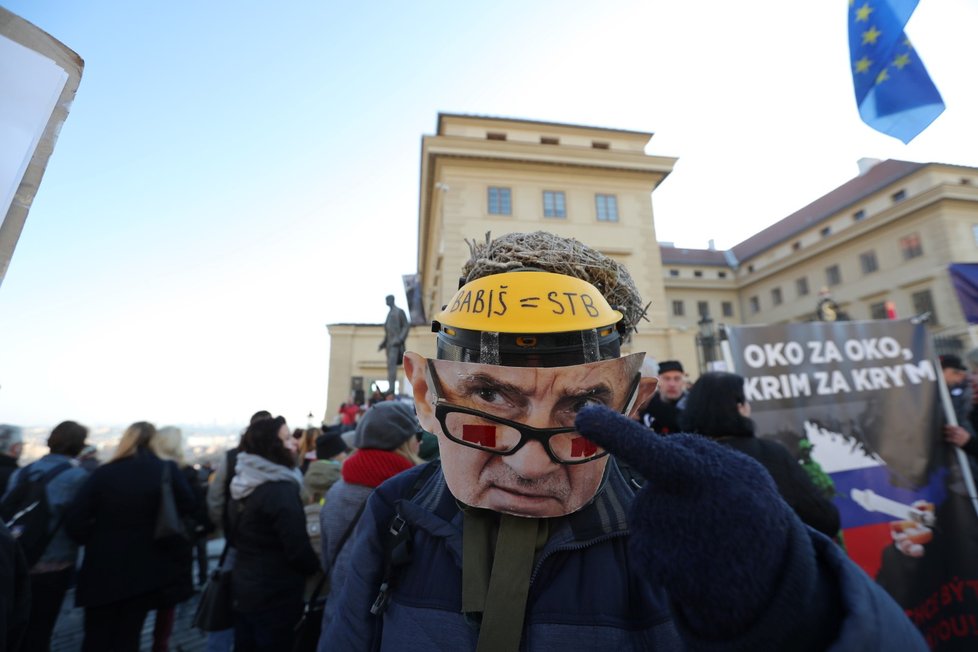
x,y
371,466
252,471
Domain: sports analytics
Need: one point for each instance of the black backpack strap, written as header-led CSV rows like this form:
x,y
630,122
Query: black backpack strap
x,y
346,535
397,541
634,479
44,478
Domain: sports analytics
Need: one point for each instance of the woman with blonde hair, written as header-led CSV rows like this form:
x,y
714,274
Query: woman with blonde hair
x,y
125,567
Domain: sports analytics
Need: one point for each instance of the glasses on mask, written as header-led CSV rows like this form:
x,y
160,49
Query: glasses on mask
x,y
492,434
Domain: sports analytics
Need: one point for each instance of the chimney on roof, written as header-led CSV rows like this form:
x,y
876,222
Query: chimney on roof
x,y
866,164
713,245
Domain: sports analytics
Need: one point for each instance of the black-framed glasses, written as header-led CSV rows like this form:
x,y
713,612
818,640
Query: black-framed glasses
x,y
486,432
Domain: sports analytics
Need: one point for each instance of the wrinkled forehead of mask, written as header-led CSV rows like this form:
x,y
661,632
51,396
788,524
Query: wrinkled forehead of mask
x,y
605,381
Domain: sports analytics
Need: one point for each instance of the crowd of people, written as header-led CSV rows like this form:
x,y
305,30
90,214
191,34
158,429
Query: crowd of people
x,y
528,499
266,497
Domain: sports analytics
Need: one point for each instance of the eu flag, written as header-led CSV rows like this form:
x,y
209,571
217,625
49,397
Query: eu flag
x,y
893,90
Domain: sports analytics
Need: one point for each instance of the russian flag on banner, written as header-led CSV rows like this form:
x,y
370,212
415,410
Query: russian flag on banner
x,y
868,502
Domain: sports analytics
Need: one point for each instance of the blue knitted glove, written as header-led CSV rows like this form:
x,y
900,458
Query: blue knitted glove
x,y
710,527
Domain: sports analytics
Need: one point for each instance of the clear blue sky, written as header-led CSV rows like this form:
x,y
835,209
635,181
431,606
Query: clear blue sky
x,y
235,175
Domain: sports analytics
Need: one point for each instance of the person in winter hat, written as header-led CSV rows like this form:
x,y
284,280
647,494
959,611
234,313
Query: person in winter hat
x,y
386,440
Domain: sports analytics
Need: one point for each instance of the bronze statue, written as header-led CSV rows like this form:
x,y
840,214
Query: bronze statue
x,y
396,330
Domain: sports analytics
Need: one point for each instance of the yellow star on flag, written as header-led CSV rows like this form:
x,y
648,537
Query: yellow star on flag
x,y
901,61
863,64
862,14
870,35
882,77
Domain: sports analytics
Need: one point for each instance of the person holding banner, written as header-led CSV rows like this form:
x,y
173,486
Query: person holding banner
x,y
958,386
717,408
527,537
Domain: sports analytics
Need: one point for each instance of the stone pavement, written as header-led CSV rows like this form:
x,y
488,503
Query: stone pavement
x,y
68,632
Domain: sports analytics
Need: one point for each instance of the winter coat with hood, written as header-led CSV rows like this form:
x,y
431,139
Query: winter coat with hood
x,y
268,531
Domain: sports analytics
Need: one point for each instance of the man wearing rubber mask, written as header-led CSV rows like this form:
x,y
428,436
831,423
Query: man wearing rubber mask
x,y
527,537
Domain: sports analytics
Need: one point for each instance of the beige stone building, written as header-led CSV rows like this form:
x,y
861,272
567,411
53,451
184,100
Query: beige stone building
x,y
885,237
489,175
888,235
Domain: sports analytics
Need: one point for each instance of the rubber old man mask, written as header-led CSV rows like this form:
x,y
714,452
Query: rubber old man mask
x,y
506,429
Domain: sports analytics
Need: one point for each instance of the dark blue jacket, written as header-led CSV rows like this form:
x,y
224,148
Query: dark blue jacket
x,y
584,592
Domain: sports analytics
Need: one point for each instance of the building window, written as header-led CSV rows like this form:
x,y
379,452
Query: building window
x,y
698,273
801,285
554,204
974,232
721,275
544,140
597,144
755,305
678,309
858,215
750,269
702,308
495,136
796,245
607,207
899,195
727,308
500,201
923,302
776,297
877,310
826,230
965,181
832,275
674,273
868,262
911,246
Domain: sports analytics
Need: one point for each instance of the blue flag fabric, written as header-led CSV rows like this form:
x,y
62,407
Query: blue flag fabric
x,y
964,278
894,93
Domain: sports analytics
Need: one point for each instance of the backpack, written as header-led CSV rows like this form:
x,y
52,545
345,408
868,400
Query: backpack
x,y
26,512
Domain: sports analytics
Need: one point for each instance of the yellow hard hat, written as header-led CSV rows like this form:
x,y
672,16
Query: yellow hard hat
x,y
528,318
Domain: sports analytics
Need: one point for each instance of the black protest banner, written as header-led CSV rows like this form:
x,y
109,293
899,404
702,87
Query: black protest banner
x,y
857,402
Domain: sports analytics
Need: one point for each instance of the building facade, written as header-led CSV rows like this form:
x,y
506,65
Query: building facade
x,y
489,175
880,242
879,245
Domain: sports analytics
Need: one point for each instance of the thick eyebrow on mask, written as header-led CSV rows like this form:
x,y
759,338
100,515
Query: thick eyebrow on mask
x,y
456,378
469,384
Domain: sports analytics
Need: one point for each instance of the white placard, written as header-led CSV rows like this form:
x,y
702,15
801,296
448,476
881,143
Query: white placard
x,y
30,85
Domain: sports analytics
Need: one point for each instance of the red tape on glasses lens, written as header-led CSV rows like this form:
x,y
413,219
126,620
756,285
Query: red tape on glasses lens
x,y
480,435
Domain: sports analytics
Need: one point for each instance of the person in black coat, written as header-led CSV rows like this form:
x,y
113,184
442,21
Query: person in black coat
x,y
114,516
717,408
15,594
268,532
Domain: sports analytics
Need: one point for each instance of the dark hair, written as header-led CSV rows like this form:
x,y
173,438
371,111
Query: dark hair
x,y
261,438
711,407
67,438
259,415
